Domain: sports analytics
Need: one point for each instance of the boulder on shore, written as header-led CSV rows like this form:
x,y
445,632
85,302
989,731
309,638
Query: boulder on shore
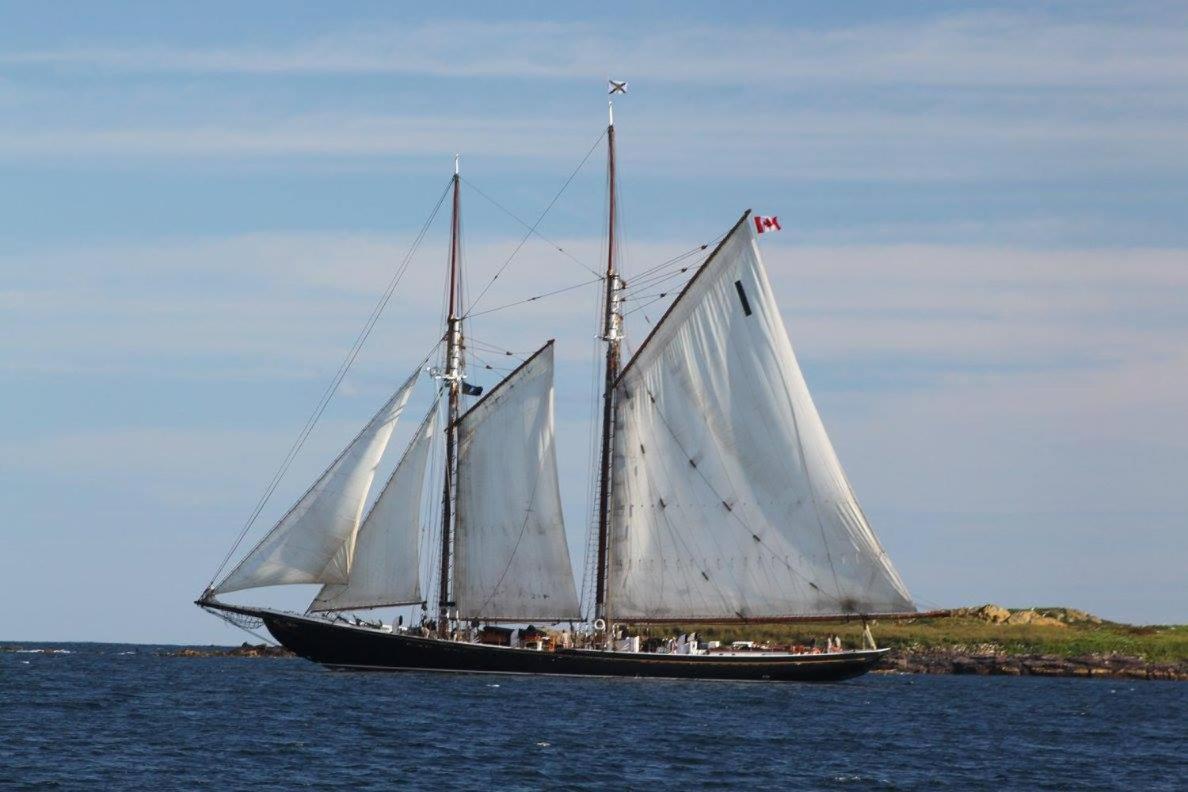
x,y
1048,617
243,650
1070,615
995,614
1033,618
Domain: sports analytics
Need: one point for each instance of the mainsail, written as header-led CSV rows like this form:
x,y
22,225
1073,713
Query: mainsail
x,y
314,541
511,561
386,566
728,499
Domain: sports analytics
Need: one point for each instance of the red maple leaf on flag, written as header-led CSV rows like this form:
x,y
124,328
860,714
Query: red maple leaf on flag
x,y
763,224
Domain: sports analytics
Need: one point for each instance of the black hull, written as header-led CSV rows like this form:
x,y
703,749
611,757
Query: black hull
x,y
344,646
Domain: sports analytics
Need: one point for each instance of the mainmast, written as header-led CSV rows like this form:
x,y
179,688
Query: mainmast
x,y
453,379
612,334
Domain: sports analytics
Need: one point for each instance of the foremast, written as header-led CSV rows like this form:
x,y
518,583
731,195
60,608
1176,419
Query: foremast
x,y
612,333
452,377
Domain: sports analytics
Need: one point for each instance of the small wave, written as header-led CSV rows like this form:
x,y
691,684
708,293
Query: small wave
x,y
44,651
543,744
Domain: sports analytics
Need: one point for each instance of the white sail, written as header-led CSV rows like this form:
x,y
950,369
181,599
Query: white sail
x,y
314,541
386,566
728,499
511,560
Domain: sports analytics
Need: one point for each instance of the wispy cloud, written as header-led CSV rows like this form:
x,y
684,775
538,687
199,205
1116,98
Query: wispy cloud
x,y
970,95
299,297
837,144
1020,48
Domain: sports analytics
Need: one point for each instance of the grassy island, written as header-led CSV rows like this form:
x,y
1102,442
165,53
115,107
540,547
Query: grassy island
x,y
989,629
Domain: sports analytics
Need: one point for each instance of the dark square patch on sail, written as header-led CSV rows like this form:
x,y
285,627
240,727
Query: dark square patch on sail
x,y
742,297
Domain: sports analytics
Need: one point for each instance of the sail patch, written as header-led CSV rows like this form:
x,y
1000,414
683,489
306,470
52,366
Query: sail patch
x,y
742,297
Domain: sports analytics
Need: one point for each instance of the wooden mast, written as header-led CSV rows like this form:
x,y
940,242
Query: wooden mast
x,y
611,334
453,379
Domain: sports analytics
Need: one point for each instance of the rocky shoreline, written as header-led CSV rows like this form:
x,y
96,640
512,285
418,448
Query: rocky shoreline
x,y
998,663
243,650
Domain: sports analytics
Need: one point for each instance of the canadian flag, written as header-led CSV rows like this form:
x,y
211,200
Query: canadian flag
x,y
767,224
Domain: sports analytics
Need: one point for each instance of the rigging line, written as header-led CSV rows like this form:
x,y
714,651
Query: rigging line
x,y
486,346
243,626
734,512
483,344
645,305
479,357
656,274
537,297
637,286
655,280
651,272
332,388
679,257
531,228
487,365
589,570
491,349
664,293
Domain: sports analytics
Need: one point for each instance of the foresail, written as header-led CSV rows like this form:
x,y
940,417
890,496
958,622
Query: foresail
x,y
728,499
511,557
314,541
387,561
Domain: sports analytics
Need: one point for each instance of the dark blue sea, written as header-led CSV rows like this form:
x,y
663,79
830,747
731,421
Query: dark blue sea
x,y
110,716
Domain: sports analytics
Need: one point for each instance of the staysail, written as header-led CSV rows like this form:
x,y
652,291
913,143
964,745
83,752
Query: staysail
x,y
313,542
728,501
511,561
386,568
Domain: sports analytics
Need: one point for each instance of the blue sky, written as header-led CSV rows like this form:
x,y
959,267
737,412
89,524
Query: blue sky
x,y
983,268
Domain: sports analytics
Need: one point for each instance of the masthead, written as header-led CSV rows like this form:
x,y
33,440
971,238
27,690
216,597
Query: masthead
x,y
614,87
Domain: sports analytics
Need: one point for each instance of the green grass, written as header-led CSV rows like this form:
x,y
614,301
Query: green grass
x,y
1159,644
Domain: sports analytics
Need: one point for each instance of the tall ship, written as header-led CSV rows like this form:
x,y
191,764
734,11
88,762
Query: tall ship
x,y
719,500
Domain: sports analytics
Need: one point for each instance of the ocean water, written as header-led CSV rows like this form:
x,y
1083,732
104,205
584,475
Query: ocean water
x,y
109,716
